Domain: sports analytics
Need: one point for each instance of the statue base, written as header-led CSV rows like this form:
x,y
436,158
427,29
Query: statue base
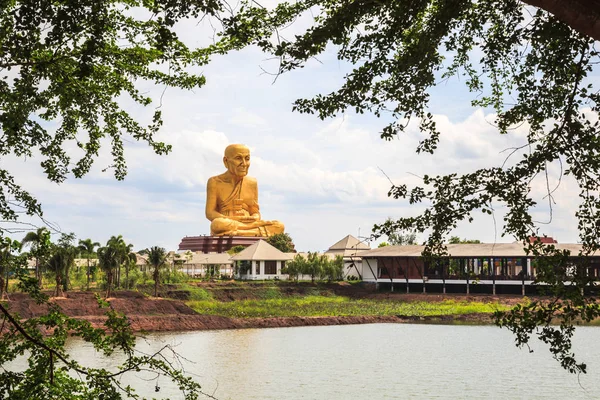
x,y
216,244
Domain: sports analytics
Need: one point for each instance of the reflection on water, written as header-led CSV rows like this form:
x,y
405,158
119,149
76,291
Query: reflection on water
x,y
380,361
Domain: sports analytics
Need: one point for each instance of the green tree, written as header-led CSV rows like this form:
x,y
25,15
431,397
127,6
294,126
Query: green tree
x,y
70,63
383,244
108,259
157,258
62,259
400,237
235,249
295,267
332,269
67,67
458,240
9,262
529,66
40,244
313,266
52,373
122,251
87,249
282,241
130,262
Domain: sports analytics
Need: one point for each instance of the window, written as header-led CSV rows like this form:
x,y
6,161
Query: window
x,y
270,267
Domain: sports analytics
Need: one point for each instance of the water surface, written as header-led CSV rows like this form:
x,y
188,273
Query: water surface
x,y
377,361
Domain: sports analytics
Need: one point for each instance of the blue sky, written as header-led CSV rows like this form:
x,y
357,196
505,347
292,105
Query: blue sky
x,y
322,179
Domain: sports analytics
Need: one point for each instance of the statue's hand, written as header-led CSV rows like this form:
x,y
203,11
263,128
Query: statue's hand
x,y
247,219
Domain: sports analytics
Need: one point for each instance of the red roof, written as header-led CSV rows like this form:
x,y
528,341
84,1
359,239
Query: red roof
x,y
543,239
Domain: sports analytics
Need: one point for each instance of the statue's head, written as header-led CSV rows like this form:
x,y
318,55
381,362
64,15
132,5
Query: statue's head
x,y
237,159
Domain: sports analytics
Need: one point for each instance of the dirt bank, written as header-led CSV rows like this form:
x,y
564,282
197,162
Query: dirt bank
x,y
166,323
158,314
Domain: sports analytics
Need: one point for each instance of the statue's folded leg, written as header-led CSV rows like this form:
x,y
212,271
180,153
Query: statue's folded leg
x,y
274,228
223,227
229,227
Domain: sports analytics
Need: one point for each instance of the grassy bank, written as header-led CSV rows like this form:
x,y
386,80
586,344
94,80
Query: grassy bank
x,y
326,306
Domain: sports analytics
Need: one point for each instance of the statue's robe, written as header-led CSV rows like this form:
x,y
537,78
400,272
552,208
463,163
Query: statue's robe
x,y
238,200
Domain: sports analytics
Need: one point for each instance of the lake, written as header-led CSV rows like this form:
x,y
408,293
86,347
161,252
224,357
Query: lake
x,y
377,361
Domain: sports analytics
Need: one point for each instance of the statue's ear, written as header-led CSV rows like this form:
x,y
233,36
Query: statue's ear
x,y
225,162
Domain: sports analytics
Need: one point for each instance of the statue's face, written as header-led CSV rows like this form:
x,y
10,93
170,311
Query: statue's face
x,y
237,160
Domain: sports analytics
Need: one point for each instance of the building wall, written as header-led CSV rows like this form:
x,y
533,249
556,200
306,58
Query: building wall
x,y
392,268
257,271
369,269
199,270
351,268
400,268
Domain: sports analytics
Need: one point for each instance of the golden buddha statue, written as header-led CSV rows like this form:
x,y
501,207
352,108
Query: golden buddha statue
x,y
232,199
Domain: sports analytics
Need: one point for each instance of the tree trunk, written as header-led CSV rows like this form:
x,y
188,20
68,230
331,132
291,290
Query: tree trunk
x,y
108,283
59,283
38,274
156,282
2,292
88,274
65,282
127,276
581,15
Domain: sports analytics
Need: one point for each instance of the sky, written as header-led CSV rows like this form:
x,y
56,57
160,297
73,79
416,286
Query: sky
x,y
322,179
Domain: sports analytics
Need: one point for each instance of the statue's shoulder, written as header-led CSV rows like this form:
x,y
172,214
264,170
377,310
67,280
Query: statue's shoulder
x,y
251,181
217,179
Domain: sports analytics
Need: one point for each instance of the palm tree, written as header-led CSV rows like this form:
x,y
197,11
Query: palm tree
x,y
108,260
157,257
130,260
122,250
39,242
87,249
7,260
59,263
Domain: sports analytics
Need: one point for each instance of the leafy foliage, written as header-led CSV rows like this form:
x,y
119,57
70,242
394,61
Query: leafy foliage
x,y
52,373
235,249
333,269
527,66
282,241
87,249
10,261
40,244
157,258
458,240
67,64
295,267
109,258
315,266
400,237
62,259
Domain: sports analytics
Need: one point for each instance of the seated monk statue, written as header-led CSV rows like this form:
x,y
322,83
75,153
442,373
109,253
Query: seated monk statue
x,y
232,199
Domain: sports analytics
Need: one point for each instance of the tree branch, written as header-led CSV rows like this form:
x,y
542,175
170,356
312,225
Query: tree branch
x,y
581,15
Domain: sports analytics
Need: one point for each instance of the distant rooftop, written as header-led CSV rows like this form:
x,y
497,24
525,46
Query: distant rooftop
x,y
349,242
514,250
263,251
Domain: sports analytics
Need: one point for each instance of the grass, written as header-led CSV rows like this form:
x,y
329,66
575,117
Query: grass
x,y
313,306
